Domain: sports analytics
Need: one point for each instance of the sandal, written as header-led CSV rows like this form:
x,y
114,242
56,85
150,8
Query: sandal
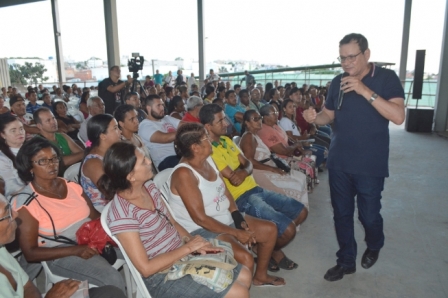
x,y
273,267
270,284
287,264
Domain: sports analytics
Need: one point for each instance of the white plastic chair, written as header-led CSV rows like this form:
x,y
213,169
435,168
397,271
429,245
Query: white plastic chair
x,y
71,173
161,181
51,278
236,140
80,139
142,291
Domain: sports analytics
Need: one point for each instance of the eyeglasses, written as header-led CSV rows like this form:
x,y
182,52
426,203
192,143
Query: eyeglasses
x,y
256,119
9,216
350,58
45,161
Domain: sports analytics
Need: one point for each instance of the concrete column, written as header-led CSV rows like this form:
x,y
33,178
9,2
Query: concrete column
x,y
58,42
405,39
201,41
111,25
441,109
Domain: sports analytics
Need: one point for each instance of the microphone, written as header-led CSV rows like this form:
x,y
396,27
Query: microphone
x,y
341,92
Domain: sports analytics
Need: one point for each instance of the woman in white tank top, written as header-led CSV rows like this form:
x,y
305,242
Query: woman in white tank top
x,y
202,204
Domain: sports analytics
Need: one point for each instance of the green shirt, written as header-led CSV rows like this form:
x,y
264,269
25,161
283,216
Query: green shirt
x,y
12,266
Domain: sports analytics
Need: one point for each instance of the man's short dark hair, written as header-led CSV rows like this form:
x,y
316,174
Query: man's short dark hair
x,y
207,113
36,114
236,86
130,94
356,37
113,67
242,92
150,99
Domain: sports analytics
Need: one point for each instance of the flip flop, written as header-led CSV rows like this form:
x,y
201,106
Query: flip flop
x,y
286,263
273,267
269,284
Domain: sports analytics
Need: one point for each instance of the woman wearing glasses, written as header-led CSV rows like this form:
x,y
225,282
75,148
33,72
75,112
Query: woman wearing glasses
x,y
51,210
266,173
277,141
14,282
12,136
153,240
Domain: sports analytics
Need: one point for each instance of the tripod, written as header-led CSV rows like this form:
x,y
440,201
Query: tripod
x,y
135,81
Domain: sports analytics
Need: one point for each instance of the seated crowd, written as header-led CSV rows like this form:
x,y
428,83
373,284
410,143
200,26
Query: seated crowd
x,y
241,164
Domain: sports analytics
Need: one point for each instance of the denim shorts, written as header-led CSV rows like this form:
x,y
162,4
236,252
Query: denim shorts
x,y
184,287
207,234
269,205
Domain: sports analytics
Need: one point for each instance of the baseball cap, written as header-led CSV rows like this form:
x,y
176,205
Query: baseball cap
x,y
15,99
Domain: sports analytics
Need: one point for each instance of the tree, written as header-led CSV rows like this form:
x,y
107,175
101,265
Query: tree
x,y
28,73
15,75
179,59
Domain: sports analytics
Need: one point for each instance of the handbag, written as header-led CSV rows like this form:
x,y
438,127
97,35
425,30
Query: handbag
x,y
214,271
91,233
280,163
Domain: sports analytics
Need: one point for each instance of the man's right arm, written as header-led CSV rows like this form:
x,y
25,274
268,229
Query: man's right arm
x,y
116,88
162,137
322,118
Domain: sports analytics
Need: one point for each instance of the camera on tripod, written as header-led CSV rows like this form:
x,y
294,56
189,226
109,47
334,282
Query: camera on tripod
x,y
136,63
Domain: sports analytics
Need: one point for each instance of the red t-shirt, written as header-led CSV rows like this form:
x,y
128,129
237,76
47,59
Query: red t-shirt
x,y
190,118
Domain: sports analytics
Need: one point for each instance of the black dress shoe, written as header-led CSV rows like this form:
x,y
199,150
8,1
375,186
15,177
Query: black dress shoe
x,y
369,258
338,272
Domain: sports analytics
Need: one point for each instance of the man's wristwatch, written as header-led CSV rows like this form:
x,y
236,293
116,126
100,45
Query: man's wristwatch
x,y
373,97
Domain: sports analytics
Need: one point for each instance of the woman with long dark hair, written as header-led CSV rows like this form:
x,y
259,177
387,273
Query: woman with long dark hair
x,y
103,132
12,136
151,237
83,104
176,107
127,118
290,127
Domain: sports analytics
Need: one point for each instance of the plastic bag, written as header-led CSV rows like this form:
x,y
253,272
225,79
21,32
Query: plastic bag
x,y
92,234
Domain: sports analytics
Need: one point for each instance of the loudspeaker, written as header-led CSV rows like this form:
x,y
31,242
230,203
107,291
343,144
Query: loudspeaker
x,y
419,120
418,74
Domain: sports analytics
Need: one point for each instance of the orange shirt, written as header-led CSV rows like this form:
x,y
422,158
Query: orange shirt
x,y
68,214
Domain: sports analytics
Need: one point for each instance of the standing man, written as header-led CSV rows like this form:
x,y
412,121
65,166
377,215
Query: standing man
x,y
112,89
158,78
169,79
190,81
250,80
361,104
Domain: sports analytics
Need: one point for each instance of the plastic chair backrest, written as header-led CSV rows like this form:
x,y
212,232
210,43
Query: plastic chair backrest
x,y
80,139
161,181
142,291
236,140
71,174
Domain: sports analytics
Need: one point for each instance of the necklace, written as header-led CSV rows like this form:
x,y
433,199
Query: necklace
x,y
40,187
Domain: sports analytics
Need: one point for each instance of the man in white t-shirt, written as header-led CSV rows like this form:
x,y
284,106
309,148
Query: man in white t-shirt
x,y
158,132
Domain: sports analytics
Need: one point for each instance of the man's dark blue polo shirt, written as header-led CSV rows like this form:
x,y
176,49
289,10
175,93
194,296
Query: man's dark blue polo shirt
x,y
360,142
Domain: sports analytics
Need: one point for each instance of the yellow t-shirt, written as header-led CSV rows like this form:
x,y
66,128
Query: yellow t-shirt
x,y
225,154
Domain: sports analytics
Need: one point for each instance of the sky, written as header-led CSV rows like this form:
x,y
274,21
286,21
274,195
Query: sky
x,y
283,32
